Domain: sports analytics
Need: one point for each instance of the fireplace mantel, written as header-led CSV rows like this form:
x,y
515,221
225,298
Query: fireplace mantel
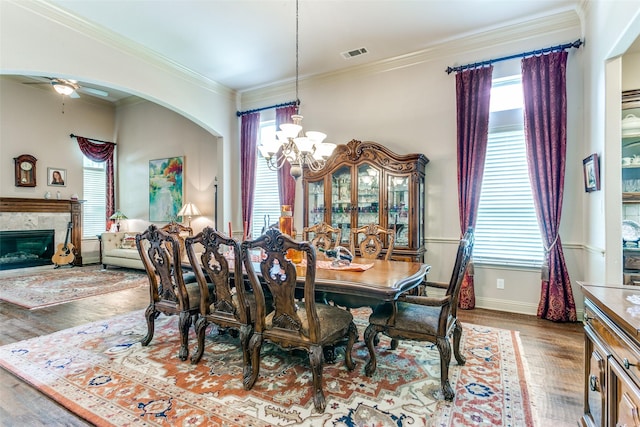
x,y
73,207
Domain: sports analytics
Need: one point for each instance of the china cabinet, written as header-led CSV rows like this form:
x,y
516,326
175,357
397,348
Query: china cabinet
x,y
631,186
365,183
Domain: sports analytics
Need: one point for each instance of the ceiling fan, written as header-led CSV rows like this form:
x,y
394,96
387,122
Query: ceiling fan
x,y
69,87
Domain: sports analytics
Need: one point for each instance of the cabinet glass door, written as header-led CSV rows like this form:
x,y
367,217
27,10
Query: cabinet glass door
x,y
398,208
341,205
316,202
368,195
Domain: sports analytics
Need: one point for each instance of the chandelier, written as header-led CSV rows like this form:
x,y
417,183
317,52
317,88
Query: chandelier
x,y
291,145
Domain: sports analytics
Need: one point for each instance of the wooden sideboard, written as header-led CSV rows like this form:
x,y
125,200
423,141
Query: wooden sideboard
x,y
612,355
73,207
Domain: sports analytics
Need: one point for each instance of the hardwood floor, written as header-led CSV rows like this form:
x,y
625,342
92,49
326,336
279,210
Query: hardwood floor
x,y
553,353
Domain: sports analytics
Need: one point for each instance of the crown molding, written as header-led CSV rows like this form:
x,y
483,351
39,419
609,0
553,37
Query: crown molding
x,y
463,46
123,44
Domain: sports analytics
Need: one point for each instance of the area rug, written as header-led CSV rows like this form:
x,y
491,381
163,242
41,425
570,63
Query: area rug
x,y
101,373
56,286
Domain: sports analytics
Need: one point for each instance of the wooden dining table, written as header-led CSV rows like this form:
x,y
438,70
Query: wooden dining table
x,y
384,281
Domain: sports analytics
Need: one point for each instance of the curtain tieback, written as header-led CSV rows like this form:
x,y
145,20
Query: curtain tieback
x,y
544,271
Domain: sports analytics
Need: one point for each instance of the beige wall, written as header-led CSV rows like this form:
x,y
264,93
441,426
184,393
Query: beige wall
x,y
407,104
147,131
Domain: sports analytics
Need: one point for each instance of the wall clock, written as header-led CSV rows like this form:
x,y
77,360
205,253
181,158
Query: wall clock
x,y
25,170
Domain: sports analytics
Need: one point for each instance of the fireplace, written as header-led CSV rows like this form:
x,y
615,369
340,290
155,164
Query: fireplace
x,y
26,248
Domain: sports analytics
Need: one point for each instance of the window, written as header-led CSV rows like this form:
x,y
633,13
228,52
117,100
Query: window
x,y
507,230
95,196
266,191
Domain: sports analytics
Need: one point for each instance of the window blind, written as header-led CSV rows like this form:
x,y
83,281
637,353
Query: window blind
x,y
507,230
95,196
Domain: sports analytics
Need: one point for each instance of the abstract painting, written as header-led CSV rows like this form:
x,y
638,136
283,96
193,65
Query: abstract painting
x,y
165,188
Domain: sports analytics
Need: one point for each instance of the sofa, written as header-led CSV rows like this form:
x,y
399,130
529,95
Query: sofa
x,y
119,249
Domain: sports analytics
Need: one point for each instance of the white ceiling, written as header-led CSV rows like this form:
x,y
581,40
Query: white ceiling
x,y
245,44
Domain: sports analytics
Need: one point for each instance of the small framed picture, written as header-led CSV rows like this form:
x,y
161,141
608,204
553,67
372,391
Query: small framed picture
x,y
56,177
591,170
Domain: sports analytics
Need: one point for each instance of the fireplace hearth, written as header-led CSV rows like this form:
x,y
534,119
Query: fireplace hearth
x,y
26,248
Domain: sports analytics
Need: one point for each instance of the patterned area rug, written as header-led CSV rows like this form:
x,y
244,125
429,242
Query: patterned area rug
x,y
56,286
102,373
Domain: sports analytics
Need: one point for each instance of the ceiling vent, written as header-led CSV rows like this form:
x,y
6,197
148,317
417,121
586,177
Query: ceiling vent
x,y
352,53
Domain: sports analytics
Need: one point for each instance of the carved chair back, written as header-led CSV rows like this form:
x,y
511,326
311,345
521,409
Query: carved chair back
x,y
180,232
293,323
224,300
168,292
372,244
323,235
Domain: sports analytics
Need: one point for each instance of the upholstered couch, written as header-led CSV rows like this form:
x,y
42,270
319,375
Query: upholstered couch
x,y
119,249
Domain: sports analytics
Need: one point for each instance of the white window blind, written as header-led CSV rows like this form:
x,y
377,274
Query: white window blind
x,y
266,199
94,209
507,230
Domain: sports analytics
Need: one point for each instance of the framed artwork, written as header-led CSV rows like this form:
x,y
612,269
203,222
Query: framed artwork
x,y
56,177
165,188
591,170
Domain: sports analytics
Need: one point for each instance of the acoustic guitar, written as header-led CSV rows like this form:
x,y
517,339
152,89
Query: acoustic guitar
x,y
64,254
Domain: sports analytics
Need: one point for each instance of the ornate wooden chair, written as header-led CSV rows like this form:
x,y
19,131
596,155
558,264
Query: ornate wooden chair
x,y
421,318
324,235
180,232
371,245
168,291
222,301
294,324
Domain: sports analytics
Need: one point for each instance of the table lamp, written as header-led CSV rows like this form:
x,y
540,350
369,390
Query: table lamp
x,y
118,216
189,210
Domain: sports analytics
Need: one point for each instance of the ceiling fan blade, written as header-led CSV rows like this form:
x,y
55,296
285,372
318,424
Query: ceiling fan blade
x,y
93,91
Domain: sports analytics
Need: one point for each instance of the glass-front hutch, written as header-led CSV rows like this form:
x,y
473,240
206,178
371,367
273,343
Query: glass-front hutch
x,y
365,183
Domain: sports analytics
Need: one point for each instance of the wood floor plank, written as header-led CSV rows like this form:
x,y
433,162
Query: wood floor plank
x,y
553,353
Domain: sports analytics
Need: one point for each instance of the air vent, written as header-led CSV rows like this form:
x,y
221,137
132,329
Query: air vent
x,y
357,52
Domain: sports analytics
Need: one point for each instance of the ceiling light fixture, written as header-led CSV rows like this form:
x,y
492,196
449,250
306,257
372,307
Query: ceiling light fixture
x,y
289,145
63,88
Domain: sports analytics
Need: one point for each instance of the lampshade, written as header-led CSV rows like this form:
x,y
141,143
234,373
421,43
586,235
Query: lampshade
x,y
118,215
189,209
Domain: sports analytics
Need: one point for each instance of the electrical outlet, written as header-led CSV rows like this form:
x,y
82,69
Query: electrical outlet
x,y
500,283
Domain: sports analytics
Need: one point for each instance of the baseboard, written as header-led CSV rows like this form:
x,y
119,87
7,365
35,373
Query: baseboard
x,y
502,305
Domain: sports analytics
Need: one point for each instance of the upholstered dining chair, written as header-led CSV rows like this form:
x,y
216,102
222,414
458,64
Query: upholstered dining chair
x,y
322,235
371,245
223,300
169,294
422,318
293,324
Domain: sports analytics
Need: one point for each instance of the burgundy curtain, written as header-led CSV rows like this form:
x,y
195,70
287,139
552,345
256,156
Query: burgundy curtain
x,y
248,156
286,183
102,152
545,125
473,92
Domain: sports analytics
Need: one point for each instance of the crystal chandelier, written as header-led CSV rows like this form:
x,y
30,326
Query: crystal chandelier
x,y
291,146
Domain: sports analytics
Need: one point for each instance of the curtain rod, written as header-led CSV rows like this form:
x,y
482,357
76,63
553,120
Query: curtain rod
x,y
91,139
255,110
565,46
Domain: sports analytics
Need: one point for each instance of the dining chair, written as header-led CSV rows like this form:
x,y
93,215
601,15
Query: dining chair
x,y
371,245
422,318
169,294
323,235
180,232
293,324
224,301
